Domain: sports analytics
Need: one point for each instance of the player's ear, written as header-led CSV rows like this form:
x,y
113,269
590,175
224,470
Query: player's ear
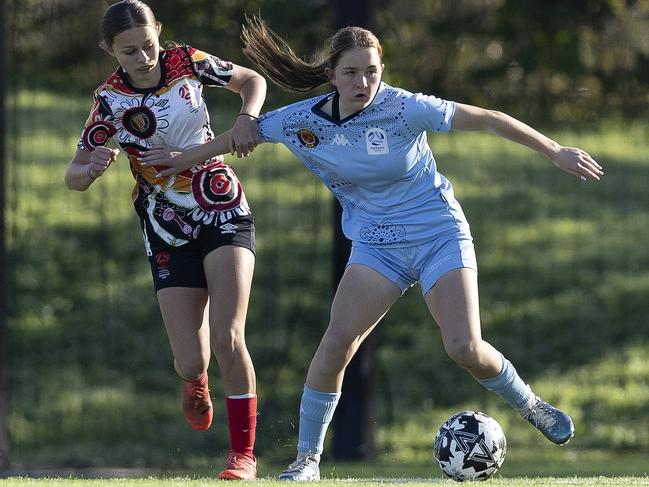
x,y
331,75
106,48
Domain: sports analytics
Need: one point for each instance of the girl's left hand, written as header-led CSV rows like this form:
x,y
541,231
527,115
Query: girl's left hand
x,y
244,136
578,163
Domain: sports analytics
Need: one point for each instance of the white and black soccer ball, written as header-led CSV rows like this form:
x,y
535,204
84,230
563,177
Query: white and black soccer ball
x,y
470,446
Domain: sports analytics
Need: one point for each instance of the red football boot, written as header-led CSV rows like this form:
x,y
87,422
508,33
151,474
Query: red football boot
x,y
197,403
239,467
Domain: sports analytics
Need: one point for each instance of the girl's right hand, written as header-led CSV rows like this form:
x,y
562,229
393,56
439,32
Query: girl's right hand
x,y
100,160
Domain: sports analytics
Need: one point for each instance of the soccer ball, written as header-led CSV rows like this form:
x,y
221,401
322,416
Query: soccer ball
x,y
470,446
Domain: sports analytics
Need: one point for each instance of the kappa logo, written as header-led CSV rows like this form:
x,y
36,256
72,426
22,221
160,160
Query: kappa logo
x,y
377,141
340,139
228,228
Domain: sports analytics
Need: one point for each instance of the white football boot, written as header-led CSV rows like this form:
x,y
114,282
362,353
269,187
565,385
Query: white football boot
x,y
306,467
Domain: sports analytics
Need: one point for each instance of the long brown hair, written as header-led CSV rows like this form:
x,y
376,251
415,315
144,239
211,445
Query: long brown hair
x,y
277,60
125,15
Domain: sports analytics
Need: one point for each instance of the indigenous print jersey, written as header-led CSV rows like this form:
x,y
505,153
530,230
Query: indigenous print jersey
x,y
377,163
173,209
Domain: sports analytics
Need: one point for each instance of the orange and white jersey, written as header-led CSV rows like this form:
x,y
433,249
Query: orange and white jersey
x,y
174,114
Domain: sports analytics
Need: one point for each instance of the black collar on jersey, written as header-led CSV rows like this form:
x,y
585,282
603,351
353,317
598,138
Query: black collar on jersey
x,y
335,108
161,82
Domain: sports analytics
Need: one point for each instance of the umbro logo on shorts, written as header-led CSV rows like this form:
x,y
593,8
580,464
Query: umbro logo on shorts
x,y
228,228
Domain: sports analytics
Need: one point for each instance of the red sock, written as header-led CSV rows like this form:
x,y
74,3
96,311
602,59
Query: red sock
x,y
242,421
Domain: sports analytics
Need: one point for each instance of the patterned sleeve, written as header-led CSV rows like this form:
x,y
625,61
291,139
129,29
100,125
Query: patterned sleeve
x,y
271,126
211,71
427,112
99,127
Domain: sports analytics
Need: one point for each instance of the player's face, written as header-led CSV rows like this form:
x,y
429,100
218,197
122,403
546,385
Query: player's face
x,y
137,51
357,77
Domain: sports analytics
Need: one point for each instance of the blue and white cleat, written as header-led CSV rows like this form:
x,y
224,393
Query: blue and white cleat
x,y
555,425
305,468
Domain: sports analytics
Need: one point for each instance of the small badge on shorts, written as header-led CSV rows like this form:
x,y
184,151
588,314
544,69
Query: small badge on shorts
x,y
162,259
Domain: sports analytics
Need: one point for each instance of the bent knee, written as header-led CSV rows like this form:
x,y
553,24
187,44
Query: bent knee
x,y
466,354
338,346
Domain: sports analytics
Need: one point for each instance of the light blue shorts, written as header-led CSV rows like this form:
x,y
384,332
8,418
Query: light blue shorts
x,y
423,264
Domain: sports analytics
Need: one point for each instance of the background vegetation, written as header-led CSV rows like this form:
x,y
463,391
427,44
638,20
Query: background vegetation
x,y
564,266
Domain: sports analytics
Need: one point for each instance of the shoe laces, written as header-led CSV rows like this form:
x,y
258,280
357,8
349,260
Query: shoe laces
x,y
304,460
198,391
232,460
235,460
541,414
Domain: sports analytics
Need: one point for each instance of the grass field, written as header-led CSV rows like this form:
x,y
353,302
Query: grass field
x,y
564,275
522,467
199,482
544,461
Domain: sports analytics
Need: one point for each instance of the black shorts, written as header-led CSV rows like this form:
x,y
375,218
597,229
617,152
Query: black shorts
x,y
183,266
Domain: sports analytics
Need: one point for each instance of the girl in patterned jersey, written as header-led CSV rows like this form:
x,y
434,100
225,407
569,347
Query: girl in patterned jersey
x,y
198,229
367,141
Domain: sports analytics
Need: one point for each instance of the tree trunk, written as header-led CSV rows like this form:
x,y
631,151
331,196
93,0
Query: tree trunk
x,y
4,349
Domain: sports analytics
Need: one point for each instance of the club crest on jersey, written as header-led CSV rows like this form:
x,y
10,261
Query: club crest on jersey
x,y
377,141
307,138
139,121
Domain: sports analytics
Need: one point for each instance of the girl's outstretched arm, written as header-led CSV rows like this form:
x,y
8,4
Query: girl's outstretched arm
x,y
569,159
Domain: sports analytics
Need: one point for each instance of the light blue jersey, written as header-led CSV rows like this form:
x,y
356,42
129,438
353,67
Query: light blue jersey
x,y
377,163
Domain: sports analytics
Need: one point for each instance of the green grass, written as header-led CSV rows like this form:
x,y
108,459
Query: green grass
x,y
564,276
192,482
540,466
122,479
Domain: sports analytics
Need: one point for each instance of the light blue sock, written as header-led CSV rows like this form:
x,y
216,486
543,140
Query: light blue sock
x,y
508,385
316,411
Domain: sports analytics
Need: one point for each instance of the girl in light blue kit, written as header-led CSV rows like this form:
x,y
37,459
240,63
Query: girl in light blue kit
x,y
367,142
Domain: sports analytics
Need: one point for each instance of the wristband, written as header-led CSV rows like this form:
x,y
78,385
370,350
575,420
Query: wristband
x,y
248,115
89,173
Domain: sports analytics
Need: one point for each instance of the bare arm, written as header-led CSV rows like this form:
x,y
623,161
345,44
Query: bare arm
x,y
179,160
251,86
86,166
569,159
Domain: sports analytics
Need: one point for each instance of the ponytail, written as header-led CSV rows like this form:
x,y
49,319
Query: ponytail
x,y
278,61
